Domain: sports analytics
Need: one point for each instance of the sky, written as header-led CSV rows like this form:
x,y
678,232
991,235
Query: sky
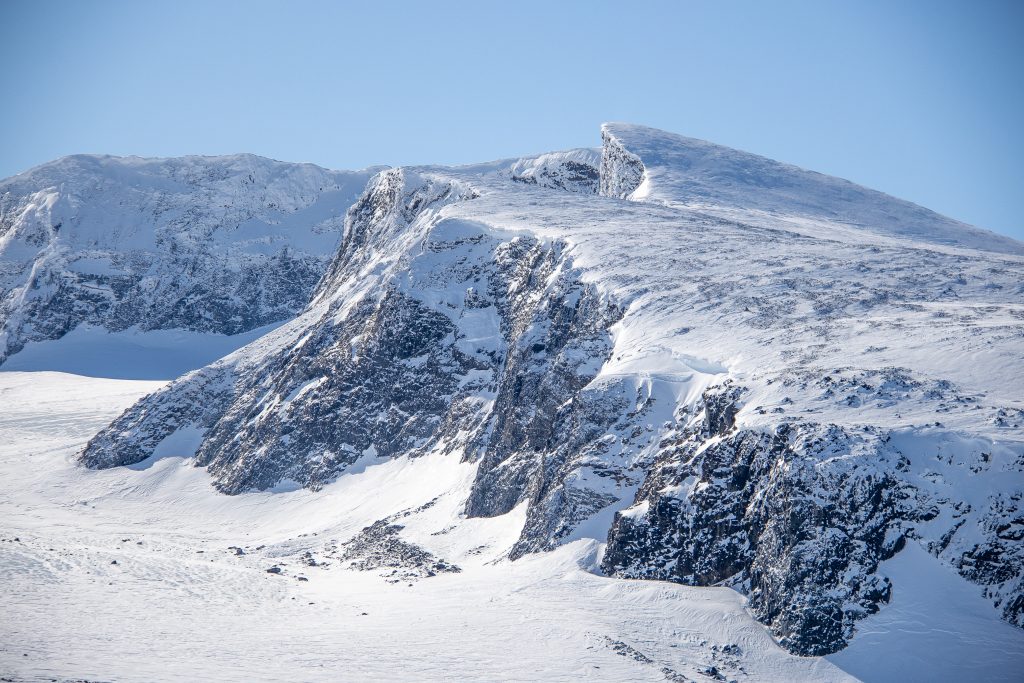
x,y
920,99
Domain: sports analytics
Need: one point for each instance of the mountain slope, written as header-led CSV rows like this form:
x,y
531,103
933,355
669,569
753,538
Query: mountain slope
x,y
730,394
148,574
646,164
207,244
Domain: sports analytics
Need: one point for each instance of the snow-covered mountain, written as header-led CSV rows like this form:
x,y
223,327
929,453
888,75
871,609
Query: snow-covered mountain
x,y
207,244
644,164
733,371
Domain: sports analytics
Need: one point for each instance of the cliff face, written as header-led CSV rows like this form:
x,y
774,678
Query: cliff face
x,y
622,172
800,515
726,402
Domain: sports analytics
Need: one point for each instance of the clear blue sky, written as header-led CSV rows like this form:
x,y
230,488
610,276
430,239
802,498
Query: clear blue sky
x,y
924,100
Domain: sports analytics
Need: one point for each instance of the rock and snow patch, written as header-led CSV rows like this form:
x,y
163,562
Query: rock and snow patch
x,y
577,170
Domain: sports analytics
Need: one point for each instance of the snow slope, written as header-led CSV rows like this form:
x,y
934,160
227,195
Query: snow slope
x,y
681,171
922,637
132,574
129,354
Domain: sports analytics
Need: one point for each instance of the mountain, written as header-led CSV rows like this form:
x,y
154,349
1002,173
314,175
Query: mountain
x,y
732,371
218,245
650,165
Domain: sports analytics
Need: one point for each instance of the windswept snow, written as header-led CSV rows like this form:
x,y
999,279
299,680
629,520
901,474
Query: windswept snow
x,y
129,354
682,171
133,574
937,628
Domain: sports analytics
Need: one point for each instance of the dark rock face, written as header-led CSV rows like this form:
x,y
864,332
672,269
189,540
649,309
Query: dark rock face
x,y
200,296
555,349
397,373
622,172
568,171
798,518
544,445
197,401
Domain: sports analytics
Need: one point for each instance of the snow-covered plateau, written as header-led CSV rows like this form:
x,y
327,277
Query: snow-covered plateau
x,y
658,410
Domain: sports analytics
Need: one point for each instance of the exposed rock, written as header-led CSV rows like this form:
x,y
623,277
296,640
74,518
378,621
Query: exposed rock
x,y
622,172
575,171
798,517
380,547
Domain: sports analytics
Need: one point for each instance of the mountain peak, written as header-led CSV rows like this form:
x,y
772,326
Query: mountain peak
x,y
681,171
